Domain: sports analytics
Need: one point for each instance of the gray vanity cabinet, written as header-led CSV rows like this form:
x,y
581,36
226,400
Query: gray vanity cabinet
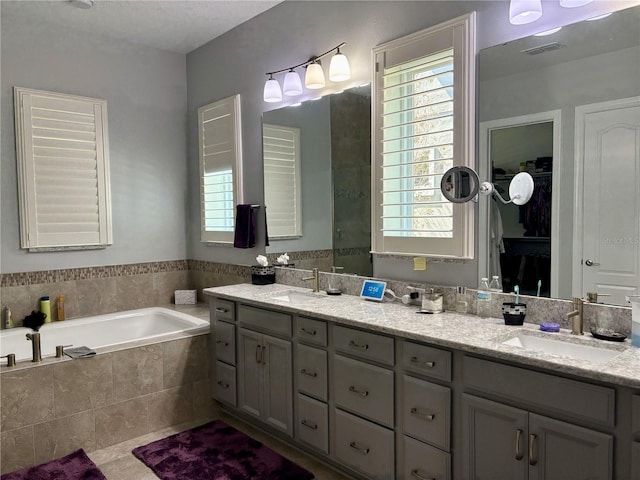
x,y
223,340
503,442
265,387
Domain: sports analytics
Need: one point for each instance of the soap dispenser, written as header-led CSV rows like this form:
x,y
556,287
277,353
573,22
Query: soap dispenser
x,y
635,319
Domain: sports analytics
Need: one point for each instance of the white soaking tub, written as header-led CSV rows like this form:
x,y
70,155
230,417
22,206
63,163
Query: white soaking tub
x,y
102,331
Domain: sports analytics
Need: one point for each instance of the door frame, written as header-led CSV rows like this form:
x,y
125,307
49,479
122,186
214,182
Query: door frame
x,y
484,172
578,180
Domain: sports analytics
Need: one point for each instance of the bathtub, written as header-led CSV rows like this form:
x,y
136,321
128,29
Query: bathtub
x,y
102,331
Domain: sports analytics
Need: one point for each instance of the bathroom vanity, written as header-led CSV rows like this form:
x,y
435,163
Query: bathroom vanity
x,y
383,392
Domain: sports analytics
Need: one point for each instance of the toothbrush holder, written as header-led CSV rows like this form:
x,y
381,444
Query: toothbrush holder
x,y
514,313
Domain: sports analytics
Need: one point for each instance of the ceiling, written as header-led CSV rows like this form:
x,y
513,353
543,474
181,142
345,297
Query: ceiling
x,y
175,25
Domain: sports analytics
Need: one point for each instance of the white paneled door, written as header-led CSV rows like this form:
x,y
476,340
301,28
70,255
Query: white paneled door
x,y
608,156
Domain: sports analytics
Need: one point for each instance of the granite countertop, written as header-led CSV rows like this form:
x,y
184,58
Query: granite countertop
x,y
464,332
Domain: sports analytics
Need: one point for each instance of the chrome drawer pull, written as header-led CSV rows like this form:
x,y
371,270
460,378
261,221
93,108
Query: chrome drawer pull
x,y
312,426
425,416
518,452
416,474
533,461
257,353
308,332
417,361
223,385
362,450
308,373
221,310
362,393
224,344
355,345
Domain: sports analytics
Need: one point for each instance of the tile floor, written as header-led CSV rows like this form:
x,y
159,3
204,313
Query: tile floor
x,y
118,463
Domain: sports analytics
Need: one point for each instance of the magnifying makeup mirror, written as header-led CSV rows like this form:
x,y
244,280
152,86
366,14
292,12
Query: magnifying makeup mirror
x,y
520,189
461,184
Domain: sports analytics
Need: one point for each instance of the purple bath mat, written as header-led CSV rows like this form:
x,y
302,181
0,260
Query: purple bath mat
x,y
216,451
75,466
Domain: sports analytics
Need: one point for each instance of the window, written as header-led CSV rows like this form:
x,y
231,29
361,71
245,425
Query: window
x,y
220,168
62,148
282,193
423,125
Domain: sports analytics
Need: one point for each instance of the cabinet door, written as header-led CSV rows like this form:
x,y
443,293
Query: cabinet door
x,y
494,440
562,450
278,384
250,372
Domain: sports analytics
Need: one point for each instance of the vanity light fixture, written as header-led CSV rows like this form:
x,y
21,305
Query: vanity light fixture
x,y
339,71
522,12
547,32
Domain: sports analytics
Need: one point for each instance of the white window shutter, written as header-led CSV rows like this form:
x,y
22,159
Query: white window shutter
x,y
63,171
219,133
283,198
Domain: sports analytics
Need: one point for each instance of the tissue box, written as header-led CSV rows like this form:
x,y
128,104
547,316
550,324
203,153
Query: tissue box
x,y
186,297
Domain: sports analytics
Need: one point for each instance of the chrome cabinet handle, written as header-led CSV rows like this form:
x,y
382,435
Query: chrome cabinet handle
x,y
221,310
518,452
308,373
362,450
591,263
417,361
416,474
257,353
310,425
532,459
223,343
426,416
355,345
308,332
222,384
362,393
262,355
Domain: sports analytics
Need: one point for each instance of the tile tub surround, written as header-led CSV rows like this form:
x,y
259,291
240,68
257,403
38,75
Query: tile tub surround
x,y
468,333
50,409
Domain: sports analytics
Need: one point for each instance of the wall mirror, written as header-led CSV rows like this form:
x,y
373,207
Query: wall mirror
x,y
334,186
566,108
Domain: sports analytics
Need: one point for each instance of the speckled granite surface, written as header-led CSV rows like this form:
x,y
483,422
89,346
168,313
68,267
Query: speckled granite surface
x,y
463,332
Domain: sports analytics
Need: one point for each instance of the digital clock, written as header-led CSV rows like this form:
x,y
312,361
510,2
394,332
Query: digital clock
x,y
373,290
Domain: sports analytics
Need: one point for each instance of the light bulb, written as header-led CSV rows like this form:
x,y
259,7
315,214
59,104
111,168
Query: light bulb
x,y
339,70
314,78
292,84
522,12
272,92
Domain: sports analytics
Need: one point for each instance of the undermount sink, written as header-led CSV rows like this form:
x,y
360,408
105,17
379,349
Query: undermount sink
x,y
294,297
559,347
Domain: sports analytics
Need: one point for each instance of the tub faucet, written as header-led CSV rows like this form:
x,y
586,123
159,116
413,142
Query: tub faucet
x,y
314,278
577,327
35,346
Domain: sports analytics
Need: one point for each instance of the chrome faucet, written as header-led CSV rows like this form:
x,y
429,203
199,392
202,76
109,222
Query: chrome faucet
x,y
577,327
314,277
35,346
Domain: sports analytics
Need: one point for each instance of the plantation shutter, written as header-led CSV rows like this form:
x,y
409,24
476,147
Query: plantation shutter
x,y
63,171
220,167
281,150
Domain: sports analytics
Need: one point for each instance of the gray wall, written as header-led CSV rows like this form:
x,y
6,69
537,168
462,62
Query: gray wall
x,y
146,98
292,32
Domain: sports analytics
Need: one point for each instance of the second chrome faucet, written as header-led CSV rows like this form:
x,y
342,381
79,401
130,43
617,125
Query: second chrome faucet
x,y
577,327
314,278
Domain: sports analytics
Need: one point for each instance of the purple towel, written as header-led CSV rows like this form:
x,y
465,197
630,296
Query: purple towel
x,y
246,222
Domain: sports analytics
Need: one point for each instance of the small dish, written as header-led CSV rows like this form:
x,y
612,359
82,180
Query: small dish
x,y
608,335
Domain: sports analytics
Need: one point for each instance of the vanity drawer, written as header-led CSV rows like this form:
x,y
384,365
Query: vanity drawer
x,y
364,389
366,345
223,310
265,320
313,423
311,371
572,399
426,411
428,361
226,383
364,446
312,331
225,342
422,461
635,415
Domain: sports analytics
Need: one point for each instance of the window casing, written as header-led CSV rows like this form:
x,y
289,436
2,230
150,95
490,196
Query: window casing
x,y
423,125
62,147
219,134
282,192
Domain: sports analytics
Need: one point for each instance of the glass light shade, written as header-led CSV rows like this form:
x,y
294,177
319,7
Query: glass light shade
x,y
314,78
573,3
339,70
292,84
522,12
272,92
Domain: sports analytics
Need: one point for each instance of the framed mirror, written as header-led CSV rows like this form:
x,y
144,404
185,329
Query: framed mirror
x,y
565,108
333,179
459,184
